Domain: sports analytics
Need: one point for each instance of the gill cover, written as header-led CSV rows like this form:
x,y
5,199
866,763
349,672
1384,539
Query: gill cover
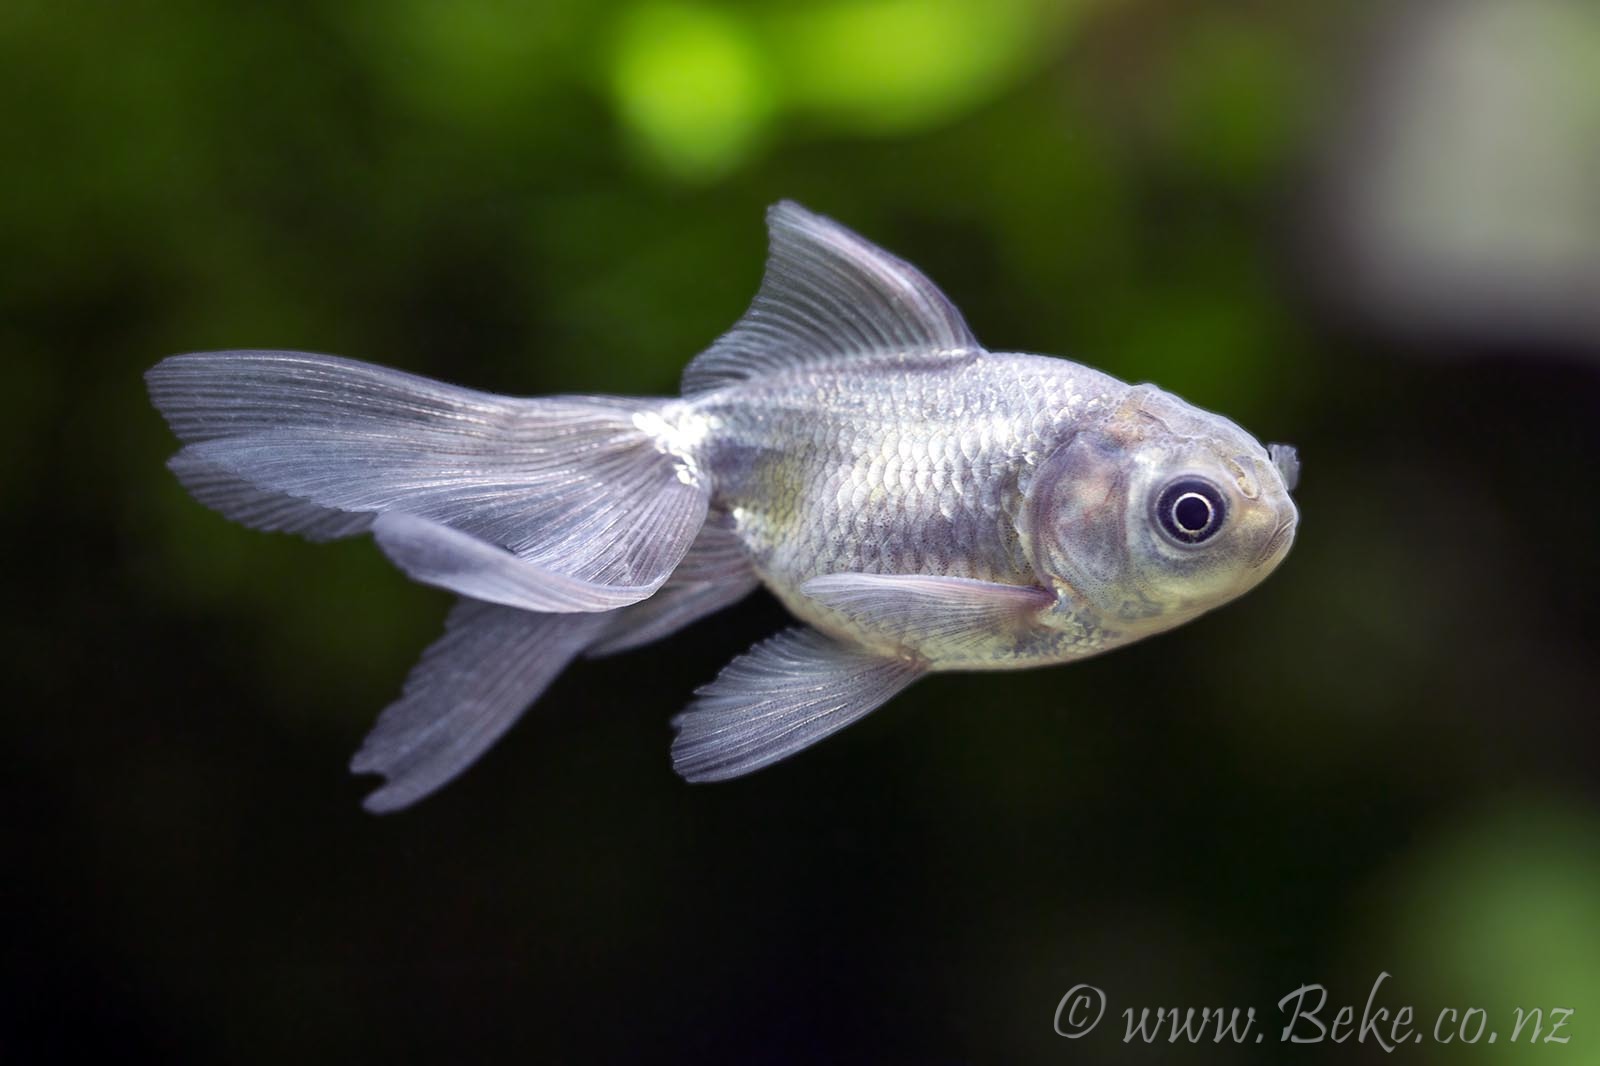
x,y
1073,519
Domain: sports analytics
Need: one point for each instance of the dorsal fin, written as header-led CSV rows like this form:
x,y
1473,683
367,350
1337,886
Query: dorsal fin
x,y
827,293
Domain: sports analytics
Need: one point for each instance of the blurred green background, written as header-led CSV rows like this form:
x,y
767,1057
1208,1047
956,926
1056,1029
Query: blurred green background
x,y
1384,759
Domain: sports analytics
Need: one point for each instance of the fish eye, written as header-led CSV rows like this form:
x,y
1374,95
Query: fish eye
x,y
1190,510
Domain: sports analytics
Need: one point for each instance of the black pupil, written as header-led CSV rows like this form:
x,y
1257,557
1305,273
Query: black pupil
x,y
1192,512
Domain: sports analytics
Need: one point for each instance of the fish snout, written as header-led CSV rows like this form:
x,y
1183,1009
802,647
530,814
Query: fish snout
x,y
1281,537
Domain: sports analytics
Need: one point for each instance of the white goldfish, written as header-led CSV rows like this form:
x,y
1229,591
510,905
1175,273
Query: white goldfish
x,y
919,503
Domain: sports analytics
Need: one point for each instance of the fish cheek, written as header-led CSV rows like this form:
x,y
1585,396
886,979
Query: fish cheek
x,y
1076,514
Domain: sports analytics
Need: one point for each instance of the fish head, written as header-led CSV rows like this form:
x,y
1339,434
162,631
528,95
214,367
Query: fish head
x,y
1158,512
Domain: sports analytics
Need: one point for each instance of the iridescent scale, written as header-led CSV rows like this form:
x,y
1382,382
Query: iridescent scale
x,y
883,468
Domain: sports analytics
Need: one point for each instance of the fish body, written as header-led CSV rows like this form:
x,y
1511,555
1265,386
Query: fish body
x,y
920,503
895,468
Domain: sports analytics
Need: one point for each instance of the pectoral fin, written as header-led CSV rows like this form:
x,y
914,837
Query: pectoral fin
x,y
923,611
783,695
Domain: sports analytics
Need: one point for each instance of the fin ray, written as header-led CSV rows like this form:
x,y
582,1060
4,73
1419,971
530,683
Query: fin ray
x,y
439,555
828,294
715,573
782,696
287,440
668,611
469,687
929,612
240,501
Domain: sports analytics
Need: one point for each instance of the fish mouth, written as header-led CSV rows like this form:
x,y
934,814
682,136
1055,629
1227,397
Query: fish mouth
x,y
1275,543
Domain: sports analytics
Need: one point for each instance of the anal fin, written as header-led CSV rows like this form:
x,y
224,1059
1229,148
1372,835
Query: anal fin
x,y
716,573
470,686
668,611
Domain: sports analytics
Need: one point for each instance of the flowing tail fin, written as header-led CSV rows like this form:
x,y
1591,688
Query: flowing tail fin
x,y
567,504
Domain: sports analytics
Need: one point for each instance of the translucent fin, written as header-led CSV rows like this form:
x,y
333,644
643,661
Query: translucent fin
x,y
715,573
930,613
668,611
783,695
470,686
716,554
244,393
573,484
239,500
438,555
826,294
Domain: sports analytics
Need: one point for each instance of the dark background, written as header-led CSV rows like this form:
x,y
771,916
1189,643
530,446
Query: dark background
x,y
1368,231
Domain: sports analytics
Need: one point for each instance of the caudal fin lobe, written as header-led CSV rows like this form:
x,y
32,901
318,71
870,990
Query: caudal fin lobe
x,y
566,504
